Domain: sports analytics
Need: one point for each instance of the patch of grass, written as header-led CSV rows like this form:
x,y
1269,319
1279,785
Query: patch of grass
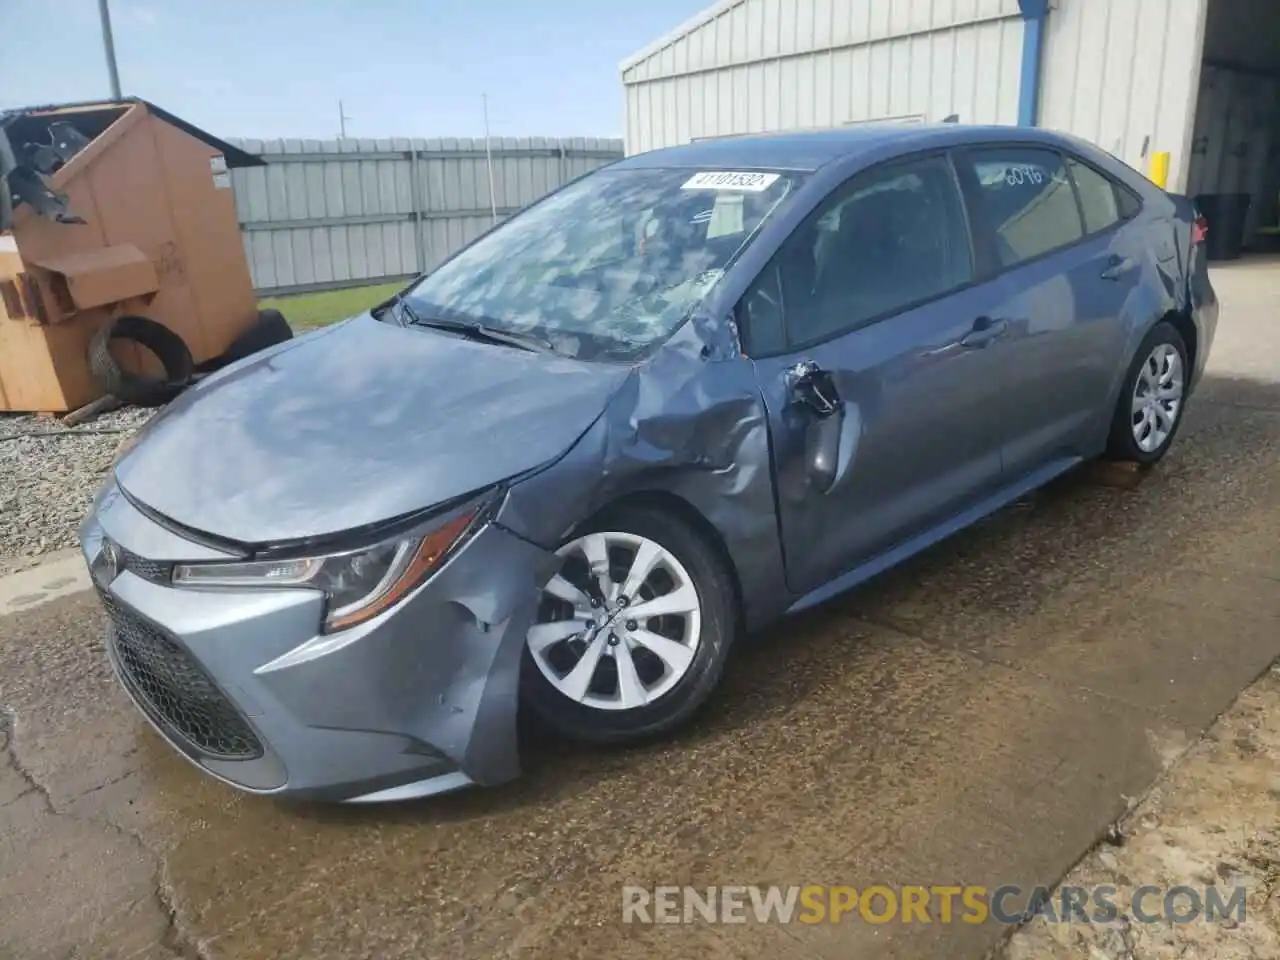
x,y
306,311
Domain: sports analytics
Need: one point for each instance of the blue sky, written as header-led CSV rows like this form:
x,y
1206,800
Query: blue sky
x,y
276,68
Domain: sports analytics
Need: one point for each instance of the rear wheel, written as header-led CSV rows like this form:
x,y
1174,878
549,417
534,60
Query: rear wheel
x,y
1150,407
633,632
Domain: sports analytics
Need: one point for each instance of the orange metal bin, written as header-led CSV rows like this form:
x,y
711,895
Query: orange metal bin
x,y
158,237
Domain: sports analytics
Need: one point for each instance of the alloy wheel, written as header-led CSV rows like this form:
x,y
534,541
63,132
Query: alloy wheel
x,y
618,626
1157,398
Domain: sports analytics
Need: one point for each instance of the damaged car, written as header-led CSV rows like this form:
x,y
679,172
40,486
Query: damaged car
x,y
671,402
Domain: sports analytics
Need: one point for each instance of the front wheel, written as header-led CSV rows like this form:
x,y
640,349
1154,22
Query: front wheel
x,y
632,634
1150,407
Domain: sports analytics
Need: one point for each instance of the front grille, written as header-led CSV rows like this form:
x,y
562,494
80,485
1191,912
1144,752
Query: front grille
x,y
175,691
153,570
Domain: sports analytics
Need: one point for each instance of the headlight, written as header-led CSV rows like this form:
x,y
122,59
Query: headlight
x,y
358,584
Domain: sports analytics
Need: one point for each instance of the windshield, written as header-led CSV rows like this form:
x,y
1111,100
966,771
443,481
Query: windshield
x,y
608,266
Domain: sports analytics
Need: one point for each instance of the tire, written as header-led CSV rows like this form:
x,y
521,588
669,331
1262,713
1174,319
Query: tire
x,y
269,329
134,388
1127,422
670,700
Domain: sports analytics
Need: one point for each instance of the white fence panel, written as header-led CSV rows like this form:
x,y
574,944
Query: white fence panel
x,y
324,214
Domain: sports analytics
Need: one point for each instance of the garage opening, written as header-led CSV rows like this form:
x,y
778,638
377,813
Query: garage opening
x,y
1234,170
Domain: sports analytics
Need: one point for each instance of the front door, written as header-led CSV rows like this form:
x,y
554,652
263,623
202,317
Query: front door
x,y
884,390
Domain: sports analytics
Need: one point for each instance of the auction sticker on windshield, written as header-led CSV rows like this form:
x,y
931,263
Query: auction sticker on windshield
x,y
727,180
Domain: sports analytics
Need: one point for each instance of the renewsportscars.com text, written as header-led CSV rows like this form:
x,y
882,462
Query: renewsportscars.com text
x,y
815,903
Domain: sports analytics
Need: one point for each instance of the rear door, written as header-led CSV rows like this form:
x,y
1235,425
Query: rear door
x,y
880,369
1055,226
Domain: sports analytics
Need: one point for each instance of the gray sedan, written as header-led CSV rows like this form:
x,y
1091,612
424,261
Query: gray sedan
x,y
673,401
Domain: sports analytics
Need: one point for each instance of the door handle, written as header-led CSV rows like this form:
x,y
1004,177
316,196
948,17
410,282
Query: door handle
x,y
1117,267
985,330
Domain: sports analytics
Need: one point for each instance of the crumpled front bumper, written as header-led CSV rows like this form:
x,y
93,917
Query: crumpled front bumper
x,y
420,700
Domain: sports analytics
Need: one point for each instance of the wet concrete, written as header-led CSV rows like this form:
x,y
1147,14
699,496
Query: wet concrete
x,y
980,715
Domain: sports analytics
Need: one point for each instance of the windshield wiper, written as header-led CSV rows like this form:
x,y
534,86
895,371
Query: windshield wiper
x,y
480,331
395,308
407,316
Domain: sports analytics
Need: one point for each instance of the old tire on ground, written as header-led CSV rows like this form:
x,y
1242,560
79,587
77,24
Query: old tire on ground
x,y
631,637
1153,398
135,388
269,329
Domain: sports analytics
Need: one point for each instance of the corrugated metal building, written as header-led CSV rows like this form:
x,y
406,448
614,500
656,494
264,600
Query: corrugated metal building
x,y
1126,74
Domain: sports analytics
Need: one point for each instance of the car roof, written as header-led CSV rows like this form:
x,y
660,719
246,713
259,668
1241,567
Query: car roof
x,y
807,150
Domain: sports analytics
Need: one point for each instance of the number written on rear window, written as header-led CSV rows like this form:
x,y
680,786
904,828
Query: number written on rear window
x,y
1021,174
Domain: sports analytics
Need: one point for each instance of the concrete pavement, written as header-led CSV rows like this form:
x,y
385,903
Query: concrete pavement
x,y
60,575
980,715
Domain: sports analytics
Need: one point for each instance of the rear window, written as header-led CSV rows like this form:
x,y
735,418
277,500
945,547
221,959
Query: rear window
x,y
1028,200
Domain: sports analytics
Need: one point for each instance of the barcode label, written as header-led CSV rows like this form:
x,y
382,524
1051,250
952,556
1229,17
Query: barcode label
x,y
729,180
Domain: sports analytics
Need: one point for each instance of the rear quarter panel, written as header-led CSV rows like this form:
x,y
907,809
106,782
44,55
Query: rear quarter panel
x,y
1160,235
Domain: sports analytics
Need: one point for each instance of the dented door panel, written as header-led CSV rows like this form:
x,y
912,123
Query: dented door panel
x,y
912,435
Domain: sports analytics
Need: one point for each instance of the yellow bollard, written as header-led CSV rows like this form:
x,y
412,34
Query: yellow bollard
x,y
1160,169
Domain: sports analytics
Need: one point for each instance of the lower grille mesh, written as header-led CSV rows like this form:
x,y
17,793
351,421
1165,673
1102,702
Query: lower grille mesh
x,y
154,571
174,689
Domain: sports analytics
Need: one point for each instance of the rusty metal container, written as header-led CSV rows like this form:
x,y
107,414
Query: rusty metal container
x,y
132,213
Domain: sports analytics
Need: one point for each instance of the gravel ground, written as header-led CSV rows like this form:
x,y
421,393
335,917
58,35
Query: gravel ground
x,y
48,476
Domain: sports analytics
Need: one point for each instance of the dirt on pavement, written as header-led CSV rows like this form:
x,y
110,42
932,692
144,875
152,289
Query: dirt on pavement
x,y
1213,821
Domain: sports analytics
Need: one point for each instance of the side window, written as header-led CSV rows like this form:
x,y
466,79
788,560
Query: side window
x,y
1128,202
886,239
760,320
1028,201
1099,197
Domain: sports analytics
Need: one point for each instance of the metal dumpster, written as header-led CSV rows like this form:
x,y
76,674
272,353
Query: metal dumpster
x,y
110,209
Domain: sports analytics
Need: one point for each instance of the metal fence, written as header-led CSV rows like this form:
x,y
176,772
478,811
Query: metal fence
x,y
324,214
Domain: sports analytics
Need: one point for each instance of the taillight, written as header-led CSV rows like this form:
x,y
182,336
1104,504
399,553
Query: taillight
x,y
1199,230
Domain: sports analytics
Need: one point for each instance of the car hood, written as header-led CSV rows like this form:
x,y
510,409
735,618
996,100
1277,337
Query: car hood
x,y
355,425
